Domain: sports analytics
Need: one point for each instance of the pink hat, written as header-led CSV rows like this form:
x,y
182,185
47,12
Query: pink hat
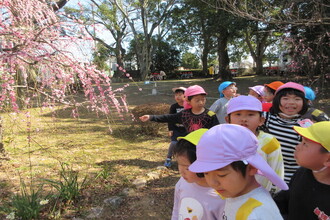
x,y
244,102
194,90
258,89
191,91
291,85
219,147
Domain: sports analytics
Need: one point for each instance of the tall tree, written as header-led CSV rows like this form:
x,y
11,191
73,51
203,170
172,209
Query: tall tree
x,y
102,17
35,58
143,17
194,25
305,23
165,58
258,37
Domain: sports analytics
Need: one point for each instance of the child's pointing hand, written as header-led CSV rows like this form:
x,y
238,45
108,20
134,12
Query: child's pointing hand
x,y
144,118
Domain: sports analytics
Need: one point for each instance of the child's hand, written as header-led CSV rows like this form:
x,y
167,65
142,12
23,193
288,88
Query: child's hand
x,y
170,133
144,118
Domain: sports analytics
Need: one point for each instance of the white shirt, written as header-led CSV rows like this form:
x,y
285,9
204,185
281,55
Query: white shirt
x,y
192,201
255,205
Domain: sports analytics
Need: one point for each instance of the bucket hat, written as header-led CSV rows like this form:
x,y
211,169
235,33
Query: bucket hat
x,y
223,86
195,136
309,93
179,88
274,85
258,89
194,90
318,132
244,102
220,146
191,91
291,85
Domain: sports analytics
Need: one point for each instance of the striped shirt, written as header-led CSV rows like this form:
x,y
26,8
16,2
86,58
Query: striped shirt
x,y
282,129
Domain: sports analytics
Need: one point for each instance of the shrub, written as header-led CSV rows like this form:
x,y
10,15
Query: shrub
x,y
150,128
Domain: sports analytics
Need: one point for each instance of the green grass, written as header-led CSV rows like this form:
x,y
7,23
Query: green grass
x,y
110,156
85,143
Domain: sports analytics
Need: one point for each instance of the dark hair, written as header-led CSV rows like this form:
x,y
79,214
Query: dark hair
x,y
275,109
190,97
185,148
324,150
239,166
179,91
270,89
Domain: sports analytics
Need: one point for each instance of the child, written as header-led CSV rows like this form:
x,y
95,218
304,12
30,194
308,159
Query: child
x,y
247,111
289,105
227,155
194,116
175,130
309,193
193,198
269,93
312,113
227,91
258,92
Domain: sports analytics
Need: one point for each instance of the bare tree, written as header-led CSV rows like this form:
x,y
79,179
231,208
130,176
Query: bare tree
x,y
279,12
143,17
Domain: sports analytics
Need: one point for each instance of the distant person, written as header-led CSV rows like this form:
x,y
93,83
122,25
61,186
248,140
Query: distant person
x,y
309,192
162,75
269,93
289,105
227,155
211,70
258,92
193,197
194,116
247,112
312,113
175,130
227,91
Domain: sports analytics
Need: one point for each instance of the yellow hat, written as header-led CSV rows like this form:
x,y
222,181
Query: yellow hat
x,y
195,136
318,132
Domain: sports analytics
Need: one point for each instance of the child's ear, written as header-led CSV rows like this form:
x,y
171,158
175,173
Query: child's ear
x,y
327,162
262,120
227,119
251,170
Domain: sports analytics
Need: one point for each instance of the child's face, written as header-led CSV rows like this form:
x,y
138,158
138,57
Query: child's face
x,y
246,118
197,102
183,164
229,182
291,104
308,154
253,93
179,97
230,91
269,96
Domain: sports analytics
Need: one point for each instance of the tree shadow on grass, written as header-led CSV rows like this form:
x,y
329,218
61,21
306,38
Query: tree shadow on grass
x,y
135,132
130,162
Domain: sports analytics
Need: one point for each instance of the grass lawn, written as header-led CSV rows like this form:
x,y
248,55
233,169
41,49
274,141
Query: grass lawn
x,y
108,151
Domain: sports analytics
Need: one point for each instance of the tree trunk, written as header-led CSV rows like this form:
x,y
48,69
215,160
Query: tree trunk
x,y
259,66
145,59
204,61
224,71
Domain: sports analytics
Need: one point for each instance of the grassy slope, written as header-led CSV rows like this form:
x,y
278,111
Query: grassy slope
x,y
88,145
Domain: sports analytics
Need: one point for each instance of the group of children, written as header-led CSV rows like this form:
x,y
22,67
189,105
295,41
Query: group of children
x,y
237,158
